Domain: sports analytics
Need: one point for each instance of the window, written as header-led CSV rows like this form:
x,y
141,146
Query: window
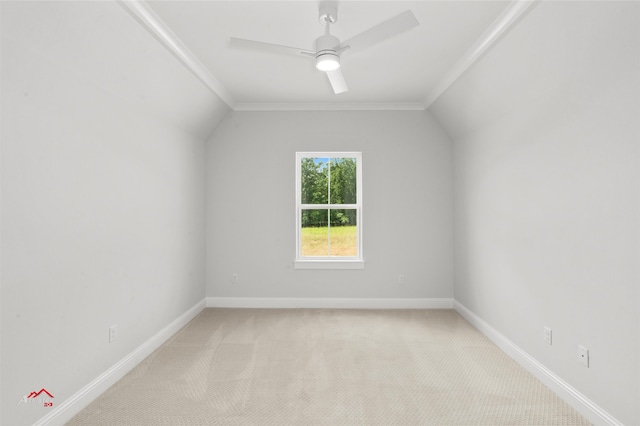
x,y
329,210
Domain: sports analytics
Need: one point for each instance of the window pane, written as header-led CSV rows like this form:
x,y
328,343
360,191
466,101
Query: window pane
x,y
343,180
314,180
314,234
343,232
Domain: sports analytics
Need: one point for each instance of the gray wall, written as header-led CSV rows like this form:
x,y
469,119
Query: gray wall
x,y
105,195
102,195
407,204
547,212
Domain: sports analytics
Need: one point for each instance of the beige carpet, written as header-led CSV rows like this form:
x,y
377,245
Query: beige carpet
x,y
328,367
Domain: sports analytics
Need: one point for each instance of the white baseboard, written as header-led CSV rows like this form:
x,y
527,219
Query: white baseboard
x,y
74,404
327,303
568,393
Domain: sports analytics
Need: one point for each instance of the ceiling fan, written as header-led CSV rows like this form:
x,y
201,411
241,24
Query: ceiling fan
x,y
329,48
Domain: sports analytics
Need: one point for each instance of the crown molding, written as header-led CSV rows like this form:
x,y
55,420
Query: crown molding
x,y
330,106
147,17
487,40
161,31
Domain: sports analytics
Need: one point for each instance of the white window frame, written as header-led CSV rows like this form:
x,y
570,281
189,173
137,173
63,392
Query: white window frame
x,y
329,262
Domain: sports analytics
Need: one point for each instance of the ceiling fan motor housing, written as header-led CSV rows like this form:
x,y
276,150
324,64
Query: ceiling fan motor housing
x,y
327,59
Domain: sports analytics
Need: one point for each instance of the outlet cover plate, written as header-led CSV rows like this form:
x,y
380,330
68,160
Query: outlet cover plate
x,y
547,335
583,356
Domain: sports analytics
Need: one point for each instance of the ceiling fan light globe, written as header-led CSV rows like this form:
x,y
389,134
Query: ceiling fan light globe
x,y
328,62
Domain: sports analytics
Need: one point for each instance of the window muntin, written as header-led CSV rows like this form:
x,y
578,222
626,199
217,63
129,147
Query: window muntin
x,y
329,206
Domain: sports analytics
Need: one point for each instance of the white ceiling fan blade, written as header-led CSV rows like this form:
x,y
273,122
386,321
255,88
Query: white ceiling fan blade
x,y
337,81
269,47
394,26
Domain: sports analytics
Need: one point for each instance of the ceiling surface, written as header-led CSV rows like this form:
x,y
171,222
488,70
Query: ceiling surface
x,y
398,71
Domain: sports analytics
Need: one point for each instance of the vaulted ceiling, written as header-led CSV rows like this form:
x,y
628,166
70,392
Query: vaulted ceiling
x,y
407,71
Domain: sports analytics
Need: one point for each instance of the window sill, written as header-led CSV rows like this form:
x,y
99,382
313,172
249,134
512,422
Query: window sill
x,y
328,264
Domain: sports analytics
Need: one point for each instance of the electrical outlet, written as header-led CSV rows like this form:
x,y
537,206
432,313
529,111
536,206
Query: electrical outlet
x,y
234,278
583,356
113,333
401,279
547,335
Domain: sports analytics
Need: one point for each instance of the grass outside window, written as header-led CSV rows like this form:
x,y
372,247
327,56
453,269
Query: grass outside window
x,y
339,240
